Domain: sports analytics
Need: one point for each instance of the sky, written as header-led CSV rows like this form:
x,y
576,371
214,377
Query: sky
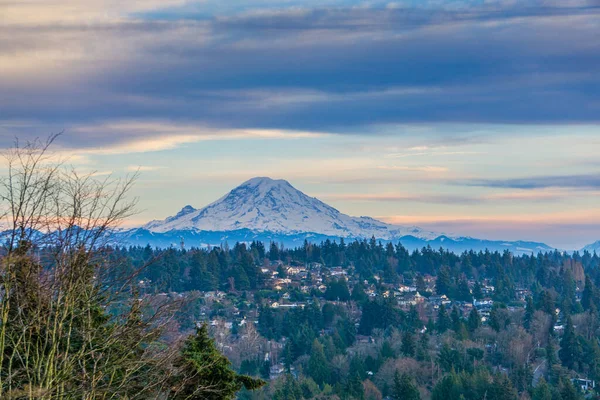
x,y
477,118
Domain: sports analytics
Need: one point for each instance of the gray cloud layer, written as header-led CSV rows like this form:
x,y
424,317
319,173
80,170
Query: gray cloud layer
x,y
315,69
584,181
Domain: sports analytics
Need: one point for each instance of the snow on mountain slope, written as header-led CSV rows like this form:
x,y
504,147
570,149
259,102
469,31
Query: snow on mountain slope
x,y
268,205
593,248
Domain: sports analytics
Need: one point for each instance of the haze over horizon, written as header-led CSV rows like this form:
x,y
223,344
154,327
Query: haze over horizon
x,y
477,118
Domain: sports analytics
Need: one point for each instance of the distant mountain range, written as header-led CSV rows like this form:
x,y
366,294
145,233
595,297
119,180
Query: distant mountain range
x,y
593,248
273,210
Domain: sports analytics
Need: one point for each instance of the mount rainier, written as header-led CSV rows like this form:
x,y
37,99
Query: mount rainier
x,y
273,210
268,205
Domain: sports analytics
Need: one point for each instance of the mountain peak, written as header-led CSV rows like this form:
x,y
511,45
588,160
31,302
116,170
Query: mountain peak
x,y
263,204
264,180
186,210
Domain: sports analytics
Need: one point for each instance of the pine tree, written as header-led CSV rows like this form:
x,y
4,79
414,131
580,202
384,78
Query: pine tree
x,y
318,365
405,388
568,391
542,391
474,320
204,373
354,387
588,297
502,389
477,292
569,346
420,284
550,354
455,317
408,344
443,282
423,348
463,293
529,312
443,321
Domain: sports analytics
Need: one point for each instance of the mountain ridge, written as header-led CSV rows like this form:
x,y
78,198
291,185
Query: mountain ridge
x,y
263,204
266,209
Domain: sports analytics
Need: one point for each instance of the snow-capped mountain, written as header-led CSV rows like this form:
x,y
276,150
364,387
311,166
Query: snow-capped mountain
x,y
593,248
268,205
266,210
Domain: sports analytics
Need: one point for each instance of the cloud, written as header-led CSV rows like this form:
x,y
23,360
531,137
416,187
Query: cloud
x,y
431,153
582,181
307,68
424,168
520,197
387,197
125,137
143,168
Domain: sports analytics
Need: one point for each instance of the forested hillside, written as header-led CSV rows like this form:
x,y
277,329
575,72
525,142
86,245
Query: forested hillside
x,y
364,320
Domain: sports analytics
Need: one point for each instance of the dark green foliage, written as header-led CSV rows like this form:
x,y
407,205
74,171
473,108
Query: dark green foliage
x,y
476,386
570,348
499,317
380,314
353,389
443,284
477,293
337,290
568,391
463,293
521,377
443,321
542,391
387,351
318,364
474,320
405,388
529,312
288,389
358,294
589,296
409,347
204,373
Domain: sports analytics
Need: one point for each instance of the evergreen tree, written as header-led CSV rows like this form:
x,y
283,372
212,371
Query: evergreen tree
x,y
474,320
542,391
463,293
318,365
204,373
499,317
443,283
529,312
568,391
423,348
408,344
443,321
358,294
387,351
420,284
448,388
405,388
413,320
288,389
588,297
456,319
550,354
569,352
477,292
502,389
354,387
